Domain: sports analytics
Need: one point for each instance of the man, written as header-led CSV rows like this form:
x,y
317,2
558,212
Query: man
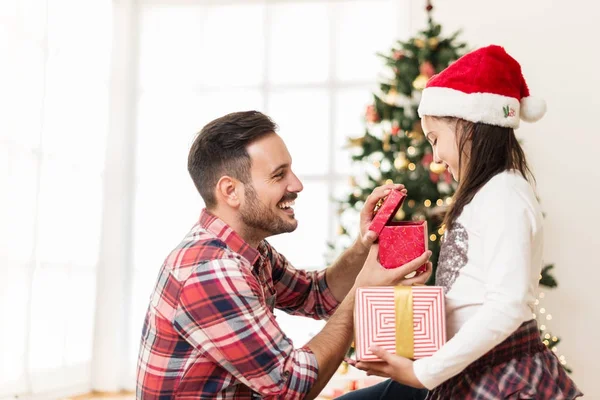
x,y
210,331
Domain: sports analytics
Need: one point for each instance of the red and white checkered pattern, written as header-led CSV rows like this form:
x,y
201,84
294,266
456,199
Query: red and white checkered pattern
x,y
375,320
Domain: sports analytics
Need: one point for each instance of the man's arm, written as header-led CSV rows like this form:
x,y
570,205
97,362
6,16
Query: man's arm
x,y
342,273
331,344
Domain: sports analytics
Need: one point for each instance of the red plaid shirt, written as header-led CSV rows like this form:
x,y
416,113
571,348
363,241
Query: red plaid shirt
x,y
210,331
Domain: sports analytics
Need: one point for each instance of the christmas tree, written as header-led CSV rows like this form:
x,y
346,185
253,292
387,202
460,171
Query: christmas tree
x,y
394,148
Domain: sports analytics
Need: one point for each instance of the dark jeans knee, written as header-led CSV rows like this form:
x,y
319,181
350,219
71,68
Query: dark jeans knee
x,y
386,390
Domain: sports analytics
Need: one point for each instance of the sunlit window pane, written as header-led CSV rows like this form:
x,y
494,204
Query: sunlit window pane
x,y
171,45
303,119
299,43
363,28
350,106
172,208
233,49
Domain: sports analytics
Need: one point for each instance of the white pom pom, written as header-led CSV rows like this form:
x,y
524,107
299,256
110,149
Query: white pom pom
x,y
532,109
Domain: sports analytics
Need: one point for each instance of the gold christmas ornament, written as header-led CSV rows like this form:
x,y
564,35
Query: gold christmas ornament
x,y
417,127
399,215
420,43
356,142
401,162
420,82
433,43
343,369
391,96
386,142
415,136
437,168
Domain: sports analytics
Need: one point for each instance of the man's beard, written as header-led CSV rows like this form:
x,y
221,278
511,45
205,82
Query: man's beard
x,y
257,216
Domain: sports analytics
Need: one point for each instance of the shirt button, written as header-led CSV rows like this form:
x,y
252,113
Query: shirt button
x,y
286,374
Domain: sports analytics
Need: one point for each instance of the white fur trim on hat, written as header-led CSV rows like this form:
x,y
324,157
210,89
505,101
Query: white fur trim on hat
x,y
493,109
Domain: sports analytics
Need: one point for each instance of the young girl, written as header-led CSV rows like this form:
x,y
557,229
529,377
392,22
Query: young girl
x,y
491,256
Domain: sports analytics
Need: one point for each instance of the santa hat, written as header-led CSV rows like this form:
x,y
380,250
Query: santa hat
x,y
486,86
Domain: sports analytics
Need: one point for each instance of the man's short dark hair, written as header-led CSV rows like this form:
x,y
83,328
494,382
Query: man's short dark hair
x,y
220,149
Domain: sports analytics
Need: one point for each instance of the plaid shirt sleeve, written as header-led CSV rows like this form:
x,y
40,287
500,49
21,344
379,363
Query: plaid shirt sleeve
x,y
223,313
301,292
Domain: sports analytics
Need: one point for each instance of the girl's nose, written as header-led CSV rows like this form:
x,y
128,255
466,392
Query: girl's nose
x,y
436,159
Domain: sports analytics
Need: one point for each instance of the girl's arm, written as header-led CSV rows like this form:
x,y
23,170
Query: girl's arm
x,y
507,234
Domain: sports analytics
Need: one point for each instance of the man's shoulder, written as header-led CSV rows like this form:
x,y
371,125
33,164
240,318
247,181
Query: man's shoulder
x,y
197,251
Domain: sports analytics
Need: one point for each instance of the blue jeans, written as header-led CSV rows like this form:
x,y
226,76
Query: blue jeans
x,y
386,390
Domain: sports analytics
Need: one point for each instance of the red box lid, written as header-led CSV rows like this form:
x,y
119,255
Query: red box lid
x,y
389,208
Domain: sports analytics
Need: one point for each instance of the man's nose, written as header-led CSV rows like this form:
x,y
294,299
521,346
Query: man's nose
x,y
295,185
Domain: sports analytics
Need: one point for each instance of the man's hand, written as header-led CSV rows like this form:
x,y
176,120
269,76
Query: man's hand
x,y
392,366
373,274
368,237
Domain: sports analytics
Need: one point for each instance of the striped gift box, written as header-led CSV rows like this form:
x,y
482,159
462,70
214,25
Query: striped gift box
x,y
375,320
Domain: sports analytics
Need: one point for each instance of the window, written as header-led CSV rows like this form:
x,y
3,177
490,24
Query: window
x,y
310,65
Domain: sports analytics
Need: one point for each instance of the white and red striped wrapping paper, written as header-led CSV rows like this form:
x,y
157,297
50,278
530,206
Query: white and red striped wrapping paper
x,y
375,320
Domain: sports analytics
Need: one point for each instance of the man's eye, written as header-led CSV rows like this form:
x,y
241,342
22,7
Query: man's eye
x,y
279,175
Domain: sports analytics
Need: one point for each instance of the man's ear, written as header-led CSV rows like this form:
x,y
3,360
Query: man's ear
x,y
227,191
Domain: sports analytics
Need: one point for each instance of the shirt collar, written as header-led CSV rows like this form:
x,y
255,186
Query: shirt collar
x,y
221,230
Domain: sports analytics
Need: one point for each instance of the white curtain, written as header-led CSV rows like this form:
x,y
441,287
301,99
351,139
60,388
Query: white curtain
x,y
54,97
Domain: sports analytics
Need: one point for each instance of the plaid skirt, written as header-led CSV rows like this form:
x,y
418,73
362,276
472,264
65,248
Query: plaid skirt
x,y
521,367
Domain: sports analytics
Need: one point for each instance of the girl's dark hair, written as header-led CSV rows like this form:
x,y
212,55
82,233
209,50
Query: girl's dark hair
x,y
487,150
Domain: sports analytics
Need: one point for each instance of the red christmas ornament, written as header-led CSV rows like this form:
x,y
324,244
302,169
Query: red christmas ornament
x,y
427,159
434,177
448,176
427,69
371,114
395,129
398,54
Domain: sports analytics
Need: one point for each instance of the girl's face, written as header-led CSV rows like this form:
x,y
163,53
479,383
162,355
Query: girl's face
x,y
442,136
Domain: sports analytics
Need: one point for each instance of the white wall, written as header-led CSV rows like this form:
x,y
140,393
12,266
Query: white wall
x,y
556,44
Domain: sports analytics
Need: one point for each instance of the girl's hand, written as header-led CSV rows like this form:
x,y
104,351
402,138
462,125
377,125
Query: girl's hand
x,y
366,214
392,366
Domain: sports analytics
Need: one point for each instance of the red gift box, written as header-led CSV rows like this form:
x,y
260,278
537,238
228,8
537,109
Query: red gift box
x,y
405,320
399,241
